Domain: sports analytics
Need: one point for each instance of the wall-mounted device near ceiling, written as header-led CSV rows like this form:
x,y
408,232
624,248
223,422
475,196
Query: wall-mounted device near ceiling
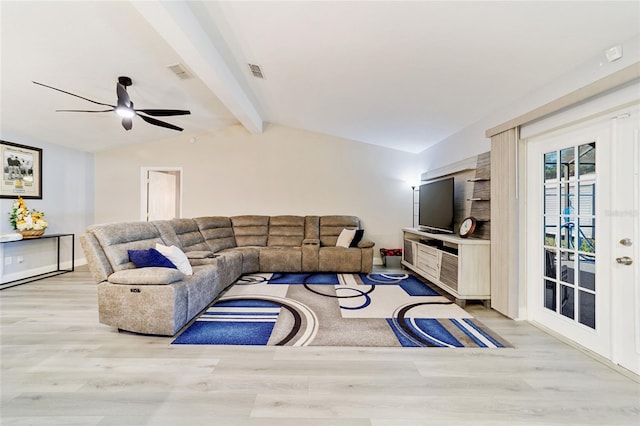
x,y
124,107
256,71
613,53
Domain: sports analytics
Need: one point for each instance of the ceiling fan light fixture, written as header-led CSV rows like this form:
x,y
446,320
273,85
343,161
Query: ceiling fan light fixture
x,y
125,112
125,109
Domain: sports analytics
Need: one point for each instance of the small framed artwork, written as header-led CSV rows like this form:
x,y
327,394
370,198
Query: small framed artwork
x,y
21,171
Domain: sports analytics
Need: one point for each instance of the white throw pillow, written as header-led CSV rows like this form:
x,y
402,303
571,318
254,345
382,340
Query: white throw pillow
x,y
345,238
177,257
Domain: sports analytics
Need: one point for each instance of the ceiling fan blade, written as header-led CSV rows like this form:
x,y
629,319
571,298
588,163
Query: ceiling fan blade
x,y
124,103
123,96
73,94
164,112
157,122
127,123
83,110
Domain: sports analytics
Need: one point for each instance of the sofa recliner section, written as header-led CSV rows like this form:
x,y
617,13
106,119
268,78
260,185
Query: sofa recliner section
x,y
220,249
330,257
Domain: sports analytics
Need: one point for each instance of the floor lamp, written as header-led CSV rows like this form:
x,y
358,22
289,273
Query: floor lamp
x,y
413,206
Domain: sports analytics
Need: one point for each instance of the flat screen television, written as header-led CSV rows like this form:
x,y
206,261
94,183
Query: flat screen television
x,y
435,209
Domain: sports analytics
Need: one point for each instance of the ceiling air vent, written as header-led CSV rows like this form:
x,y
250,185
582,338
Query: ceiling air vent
x,y
256,71
180,71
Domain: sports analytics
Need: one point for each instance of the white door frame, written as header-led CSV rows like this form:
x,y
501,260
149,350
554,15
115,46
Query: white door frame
x,y
598,340
144,172
626,224
609,247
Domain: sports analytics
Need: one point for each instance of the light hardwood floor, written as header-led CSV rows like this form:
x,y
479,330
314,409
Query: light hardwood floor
x,y
61,367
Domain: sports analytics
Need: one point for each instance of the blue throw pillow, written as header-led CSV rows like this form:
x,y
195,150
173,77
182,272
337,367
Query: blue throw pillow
x,y
148,258
357,238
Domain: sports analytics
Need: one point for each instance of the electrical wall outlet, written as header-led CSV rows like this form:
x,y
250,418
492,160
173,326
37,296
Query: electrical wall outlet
x,y
8,260
19,259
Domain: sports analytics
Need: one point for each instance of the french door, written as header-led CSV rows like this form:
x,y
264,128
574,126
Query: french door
x,y
582,235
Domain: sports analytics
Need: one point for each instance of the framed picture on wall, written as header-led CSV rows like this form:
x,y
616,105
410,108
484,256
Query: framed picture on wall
x,y
21,171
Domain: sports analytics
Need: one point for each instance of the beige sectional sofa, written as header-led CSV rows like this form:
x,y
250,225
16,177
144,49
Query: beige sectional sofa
x,y
220,249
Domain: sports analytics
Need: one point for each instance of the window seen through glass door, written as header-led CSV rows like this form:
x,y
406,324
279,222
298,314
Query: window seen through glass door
x,y
569,233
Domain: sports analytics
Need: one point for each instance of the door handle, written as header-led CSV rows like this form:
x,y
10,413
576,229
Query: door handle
x,y
624,260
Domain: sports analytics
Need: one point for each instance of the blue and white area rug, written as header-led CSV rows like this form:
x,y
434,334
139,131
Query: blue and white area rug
x,y
336,310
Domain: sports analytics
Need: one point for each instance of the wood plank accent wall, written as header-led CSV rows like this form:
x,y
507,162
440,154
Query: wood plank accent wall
x,y
481,210
504,224
467,187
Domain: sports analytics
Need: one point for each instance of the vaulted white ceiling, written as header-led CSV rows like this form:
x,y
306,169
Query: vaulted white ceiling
x,y
401,74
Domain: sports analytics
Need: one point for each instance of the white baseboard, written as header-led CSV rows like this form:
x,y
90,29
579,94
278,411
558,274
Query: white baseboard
x,y
21,275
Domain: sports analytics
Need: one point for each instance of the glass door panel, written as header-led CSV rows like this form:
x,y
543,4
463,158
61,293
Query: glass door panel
x,y
569,233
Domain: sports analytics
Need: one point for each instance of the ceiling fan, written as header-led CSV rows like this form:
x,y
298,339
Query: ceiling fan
x,y
124,107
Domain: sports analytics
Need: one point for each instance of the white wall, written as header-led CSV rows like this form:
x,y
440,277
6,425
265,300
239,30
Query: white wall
x,y
471,140
281,171
67,202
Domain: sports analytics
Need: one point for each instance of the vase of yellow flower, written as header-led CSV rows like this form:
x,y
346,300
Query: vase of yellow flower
x,y
28,222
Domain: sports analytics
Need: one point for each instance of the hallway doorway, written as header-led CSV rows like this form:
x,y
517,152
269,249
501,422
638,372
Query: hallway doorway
x,y
161,190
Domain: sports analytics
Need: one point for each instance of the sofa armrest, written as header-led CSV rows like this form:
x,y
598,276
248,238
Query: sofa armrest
x,y
146,276
311,242
96,257
366,244
199,254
